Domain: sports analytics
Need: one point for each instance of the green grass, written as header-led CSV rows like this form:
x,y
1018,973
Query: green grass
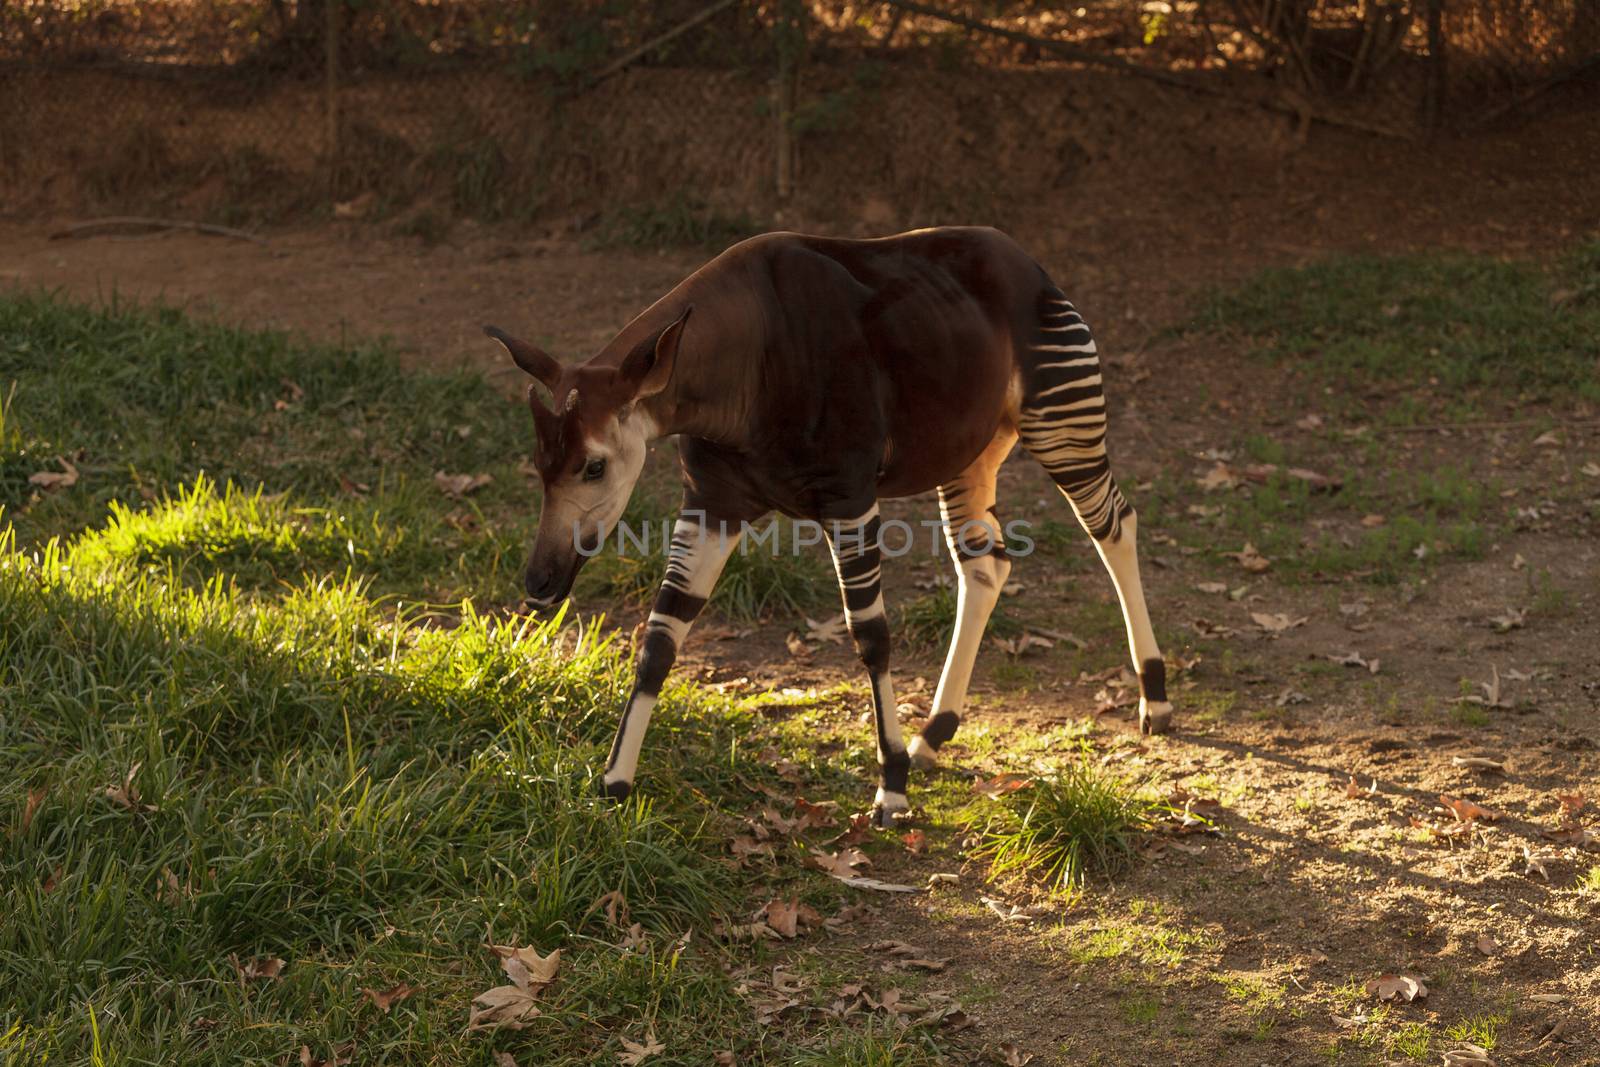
x,y
926,622
1457,321
1589,881
1077,823
344,760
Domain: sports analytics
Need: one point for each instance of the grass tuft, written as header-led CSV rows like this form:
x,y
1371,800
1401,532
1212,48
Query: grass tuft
x,y
1077,823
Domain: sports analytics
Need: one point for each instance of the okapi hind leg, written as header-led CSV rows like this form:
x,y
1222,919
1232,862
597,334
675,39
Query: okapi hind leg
x,y
857,560
695,559
972,532
1063,424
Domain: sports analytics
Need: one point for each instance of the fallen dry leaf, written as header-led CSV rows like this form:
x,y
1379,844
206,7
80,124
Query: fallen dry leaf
x,y
839,864
342,1055
634,1053
1001,784
1478,763
513,1006
65,478
1277,622
786,917
266,968
457,486
1011,913
877,885
1012,1056
1211,587
1488,945
1250,558
504,1059
36,797
1466,1054
915,841
1218,477
1397,987
1467,811
1534,862
127,794
384,999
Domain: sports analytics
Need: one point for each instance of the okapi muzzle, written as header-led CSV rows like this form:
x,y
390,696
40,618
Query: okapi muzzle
x,y
590,446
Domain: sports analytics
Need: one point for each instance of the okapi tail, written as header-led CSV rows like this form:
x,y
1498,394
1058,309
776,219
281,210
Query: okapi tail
x,y
1063,417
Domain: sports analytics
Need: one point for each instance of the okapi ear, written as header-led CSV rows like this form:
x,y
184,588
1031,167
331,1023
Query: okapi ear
x,y
649,367
530,358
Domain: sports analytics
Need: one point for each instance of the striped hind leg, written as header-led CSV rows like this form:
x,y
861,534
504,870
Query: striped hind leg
x,y
1063,424
972,531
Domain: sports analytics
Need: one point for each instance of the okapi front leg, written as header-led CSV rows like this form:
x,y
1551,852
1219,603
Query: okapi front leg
x,y
694,562
856,558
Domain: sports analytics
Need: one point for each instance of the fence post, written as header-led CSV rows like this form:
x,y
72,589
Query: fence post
x,y
791,37
1433,94
330,135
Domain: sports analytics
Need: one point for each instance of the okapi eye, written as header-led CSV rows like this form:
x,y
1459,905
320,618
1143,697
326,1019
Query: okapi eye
x,y
594,470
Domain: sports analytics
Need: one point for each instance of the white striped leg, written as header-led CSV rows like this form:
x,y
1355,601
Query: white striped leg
x,y
694,562
1121,557
856,559
980,580
972,533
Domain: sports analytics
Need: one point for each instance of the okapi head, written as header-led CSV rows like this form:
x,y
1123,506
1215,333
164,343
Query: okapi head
x,y
590,448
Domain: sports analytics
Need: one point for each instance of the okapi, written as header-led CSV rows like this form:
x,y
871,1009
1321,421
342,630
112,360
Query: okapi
x,y
815,377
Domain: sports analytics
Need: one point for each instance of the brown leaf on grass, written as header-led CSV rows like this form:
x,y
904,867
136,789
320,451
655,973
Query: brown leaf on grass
x,y
525,967
894,948
1510,619
512,1007
1250,559
1017,647
1397,987
1467,811
504,1059
1277,622
1218,477
1001,784
1571,804
30,808
1371,521
456,486
505,1007
840,864
1319,483
127,794
787,917
1211,587
1534,862
65,478
384,999
615,905
797,647
1012,1056
1478,763
1353,790
809,815
923,964
169,891
860,829
744,846
342,1055
1466,1054
848,914
915,841
634,1053
1355,659
266,968
634,939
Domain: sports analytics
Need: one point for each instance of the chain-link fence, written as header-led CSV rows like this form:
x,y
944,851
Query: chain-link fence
x,y
515,109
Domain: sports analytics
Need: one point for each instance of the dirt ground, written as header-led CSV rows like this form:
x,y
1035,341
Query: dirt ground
x,y
1313,886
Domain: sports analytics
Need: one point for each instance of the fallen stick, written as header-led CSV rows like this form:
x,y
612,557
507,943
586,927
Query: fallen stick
x,y
95,227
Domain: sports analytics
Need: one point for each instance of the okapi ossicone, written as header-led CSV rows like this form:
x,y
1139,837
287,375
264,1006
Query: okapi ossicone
x,y
815,377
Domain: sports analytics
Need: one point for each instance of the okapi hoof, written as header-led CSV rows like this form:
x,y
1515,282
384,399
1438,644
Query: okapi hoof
x,y
1155,718
616,792
924,757
888,809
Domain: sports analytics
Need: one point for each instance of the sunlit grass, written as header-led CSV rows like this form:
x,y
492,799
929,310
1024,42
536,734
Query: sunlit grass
x,y
1077,823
